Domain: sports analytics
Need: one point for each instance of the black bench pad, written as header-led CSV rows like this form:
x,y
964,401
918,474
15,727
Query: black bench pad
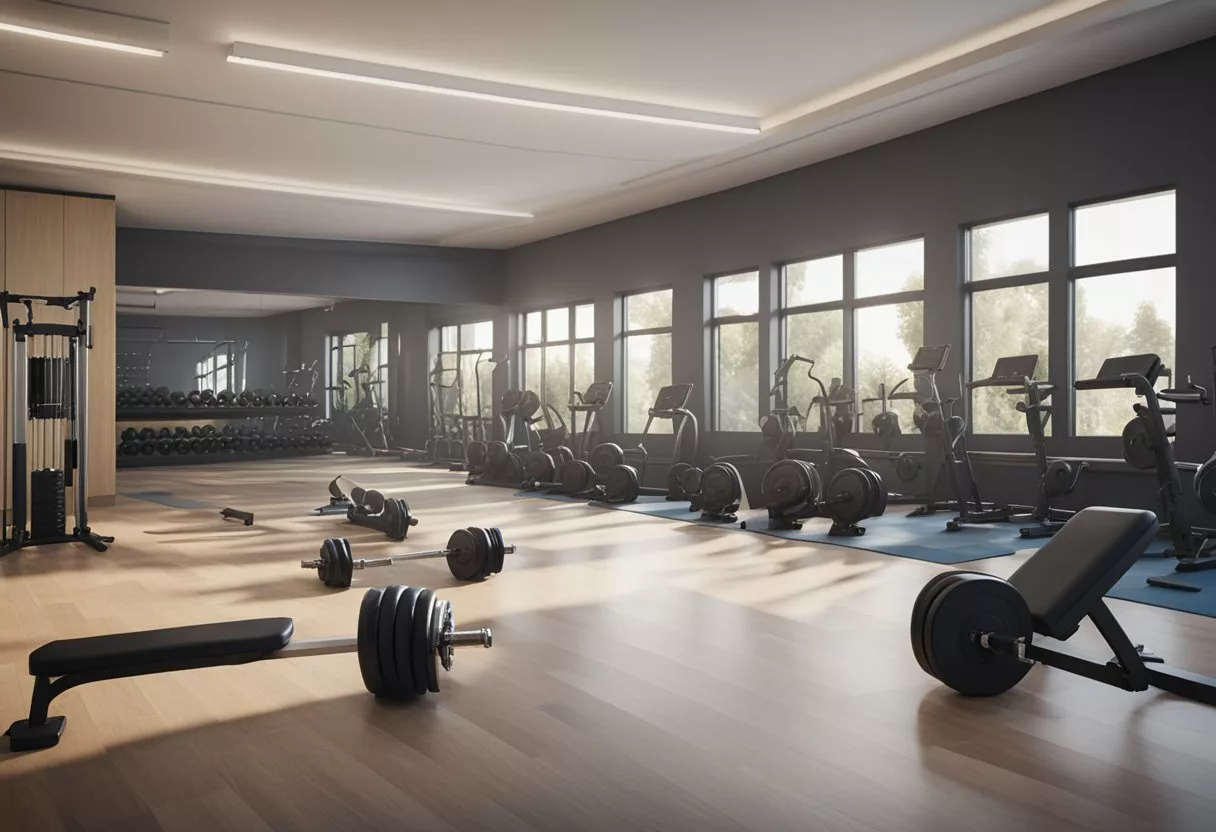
x,y
228,642
1063,580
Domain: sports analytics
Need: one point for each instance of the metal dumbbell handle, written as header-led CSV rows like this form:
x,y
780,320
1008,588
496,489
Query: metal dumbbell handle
x,y
389,560
349,644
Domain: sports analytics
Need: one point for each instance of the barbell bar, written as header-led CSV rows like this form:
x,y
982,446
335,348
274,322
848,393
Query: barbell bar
x,y
473,554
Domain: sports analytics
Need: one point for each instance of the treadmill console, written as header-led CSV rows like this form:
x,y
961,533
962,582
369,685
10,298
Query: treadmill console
x,y
595,396
1010,371
672,397
1147,365
930,359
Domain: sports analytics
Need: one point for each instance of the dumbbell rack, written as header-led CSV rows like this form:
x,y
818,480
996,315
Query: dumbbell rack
x,y
198,414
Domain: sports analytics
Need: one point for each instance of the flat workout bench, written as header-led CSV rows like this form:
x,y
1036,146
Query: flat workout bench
x,y
405,634
975,631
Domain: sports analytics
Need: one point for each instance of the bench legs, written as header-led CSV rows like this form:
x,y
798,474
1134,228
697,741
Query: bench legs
x,y
39,731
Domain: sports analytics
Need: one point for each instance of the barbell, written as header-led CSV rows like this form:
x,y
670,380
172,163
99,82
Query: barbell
x,y
473,554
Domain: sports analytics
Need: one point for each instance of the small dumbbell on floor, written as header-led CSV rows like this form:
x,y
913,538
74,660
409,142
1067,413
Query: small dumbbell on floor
x,y
473,554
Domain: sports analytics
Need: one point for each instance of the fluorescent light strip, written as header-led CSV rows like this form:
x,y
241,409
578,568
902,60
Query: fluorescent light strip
x,y
381,80
100,44
228,180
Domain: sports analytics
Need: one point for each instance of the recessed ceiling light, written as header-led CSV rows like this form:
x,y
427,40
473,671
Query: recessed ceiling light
x,y
416,80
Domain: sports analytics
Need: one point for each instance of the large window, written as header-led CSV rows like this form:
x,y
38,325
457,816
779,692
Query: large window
x,y
647,354
1007,283
736,351
215,372
1123,298
353,352
464,361
559,352
886,310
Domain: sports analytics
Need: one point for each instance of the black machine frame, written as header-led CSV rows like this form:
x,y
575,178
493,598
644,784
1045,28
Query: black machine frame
x,y
70,404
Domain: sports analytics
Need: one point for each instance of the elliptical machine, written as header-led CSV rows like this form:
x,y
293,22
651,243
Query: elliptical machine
x,y
1205,476
503,464
621,482
571,473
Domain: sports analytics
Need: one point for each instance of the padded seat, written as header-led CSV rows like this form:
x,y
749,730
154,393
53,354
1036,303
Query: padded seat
x,y
1063,580
228,642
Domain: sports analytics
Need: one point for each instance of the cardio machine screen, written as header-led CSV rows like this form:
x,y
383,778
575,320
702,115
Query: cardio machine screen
x,y
930,359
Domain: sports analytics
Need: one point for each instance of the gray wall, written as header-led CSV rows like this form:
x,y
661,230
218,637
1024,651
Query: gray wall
x,y
1146,125
329,268
174,365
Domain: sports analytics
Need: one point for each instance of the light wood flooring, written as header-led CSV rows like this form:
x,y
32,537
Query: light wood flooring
x,y
646,675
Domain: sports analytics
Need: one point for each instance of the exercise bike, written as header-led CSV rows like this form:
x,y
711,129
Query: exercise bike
x,y
571,473
621,481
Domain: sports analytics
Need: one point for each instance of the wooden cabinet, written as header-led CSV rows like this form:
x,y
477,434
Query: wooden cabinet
x,y
52,244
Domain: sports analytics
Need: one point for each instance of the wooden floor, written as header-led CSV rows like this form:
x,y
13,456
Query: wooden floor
x,y
646,674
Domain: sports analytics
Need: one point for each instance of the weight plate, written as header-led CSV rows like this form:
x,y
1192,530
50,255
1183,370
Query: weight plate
x,y
441,611
920,614
622,483
972,604
1137,447
539,466
605,455
721,488
1205,484
420,640
690,481
576,476
561,455
391,670
366,636
511,400
878,505
407,519
485,554
907,467
462,557
675,481
848,497
788,483
475,454
497,453
394,523
373,501
515,469
1057,478
498,550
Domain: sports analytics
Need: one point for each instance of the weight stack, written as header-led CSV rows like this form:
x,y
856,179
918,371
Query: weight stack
x,y
48,515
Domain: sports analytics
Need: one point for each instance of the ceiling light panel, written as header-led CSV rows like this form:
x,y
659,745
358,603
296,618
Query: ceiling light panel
x,y
84,27
415,80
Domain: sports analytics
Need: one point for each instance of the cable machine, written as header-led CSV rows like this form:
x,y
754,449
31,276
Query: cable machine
x,y
49,424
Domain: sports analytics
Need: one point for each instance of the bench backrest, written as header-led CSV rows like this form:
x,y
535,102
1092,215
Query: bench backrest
x,y
1063,580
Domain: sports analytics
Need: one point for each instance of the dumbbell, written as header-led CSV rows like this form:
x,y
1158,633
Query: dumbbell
x,y
207,397
181,445
194,398
473,554
177,399
129,448
225,398
147,433
129,435
164,446
387,515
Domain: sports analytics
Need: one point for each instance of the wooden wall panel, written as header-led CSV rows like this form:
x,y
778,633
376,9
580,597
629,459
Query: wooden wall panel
x,y
88,260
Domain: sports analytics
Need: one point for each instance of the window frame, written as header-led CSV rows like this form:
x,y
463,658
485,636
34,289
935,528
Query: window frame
x,y
459,354
626,334
1074,273
571,343
848,305
971,286
716,322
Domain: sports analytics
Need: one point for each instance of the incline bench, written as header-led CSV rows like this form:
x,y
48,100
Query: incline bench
x,y
974,632
404,634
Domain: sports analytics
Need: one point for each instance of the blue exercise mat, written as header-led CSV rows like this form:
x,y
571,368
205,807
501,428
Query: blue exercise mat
x,y
165,498
1133,587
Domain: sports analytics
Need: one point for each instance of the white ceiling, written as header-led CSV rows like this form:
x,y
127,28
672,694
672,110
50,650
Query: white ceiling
x,y
189,141
197,303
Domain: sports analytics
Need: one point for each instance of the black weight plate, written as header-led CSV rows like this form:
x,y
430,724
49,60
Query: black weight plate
x,y
907,467
420,640
485,555
407,519
368,644
1205,484
539,466
475,454
497,453
622,483
972,604
326,562
394,523
788,483
878,506
497,549
561,455
373,501
576,476
848,495
721,487
515,466
462,560
511,400
1137,448
920,614
605,455
675,481
690,481
391,671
